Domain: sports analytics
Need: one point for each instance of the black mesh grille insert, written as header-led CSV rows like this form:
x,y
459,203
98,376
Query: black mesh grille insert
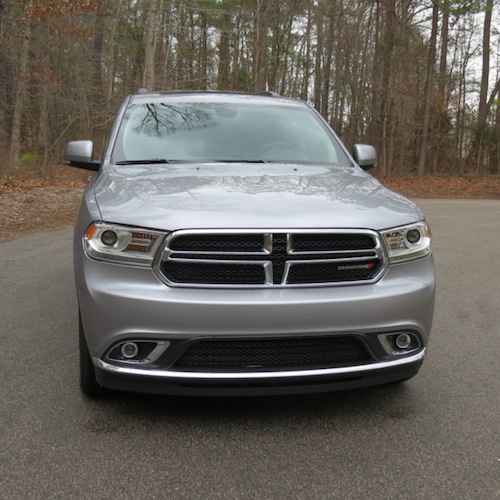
x,y
219,274
331,272
272,354
218,243
331,242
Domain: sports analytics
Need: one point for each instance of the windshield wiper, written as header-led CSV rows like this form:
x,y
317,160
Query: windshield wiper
x,y
150,161
157,161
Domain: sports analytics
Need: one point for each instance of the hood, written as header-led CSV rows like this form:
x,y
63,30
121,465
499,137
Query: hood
x,y
217,196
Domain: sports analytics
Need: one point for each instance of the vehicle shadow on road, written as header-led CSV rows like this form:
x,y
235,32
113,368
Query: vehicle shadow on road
x,y
385,403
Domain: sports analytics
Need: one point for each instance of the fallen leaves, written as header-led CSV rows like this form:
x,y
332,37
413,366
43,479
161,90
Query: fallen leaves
x,y
32,205
446,187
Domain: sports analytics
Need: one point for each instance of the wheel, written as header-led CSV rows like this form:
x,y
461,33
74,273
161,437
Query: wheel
x,y
88,381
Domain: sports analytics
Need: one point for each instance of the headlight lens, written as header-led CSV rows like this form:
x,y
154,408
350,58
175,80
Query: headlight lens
x,y
408,242
115,243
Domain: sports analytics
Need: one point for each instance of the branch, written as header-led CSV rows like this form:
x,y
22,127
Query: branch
x,y
494,92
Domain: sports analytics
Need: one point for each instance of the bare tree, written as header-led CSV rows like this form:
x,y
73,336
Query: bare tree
x,y
148,79
428,91
368,67
20,87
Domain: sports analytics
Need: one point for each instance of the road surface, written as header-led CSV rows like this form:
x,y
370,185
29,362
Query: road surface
x,y
436,436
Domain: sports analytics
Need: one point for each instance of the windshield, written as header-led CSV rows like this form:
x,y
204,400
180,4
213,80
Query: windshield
x,y
161,132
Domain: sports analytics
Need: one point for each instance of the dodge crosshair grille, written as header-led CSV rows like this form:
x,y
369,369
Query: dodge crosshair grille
x,y
271,259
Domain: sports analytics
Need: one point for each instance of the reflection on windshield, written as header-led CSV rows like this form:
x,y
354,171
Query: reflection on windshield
x,y
162,119
203,132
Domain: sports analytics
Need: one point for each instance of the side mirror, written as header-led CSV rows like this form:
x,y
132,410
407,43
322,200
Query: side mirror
x,y
80,154
365,156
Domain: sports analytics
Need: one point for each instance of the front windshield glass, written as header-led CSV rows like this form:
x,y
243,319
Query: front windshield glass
x,y
223,132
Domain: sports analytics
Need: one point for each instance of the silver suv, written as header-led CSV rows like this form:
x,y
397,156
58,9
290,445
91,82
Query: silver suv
x,y
229,244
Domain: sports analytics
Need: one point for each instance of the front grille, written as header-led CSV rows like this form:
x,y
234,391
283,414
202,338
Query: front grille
x,y
305,353
274,258
223,274
318,242
330,272
218,243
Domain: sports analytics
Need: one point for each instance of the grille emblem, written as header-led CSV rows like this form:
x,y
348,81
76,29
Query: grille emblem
x,y
356,266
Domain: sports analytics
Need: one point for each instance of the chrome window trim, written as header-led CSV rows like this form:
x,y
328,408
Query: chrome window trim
x,y
379,251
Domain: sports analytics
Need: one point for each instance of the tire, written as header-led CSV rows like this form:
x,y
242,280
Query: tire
x,y
88,381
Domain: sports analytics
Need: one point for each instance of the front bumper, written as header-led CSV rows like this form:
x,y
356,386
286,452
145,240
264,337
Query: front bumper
x,y
120,303
254,384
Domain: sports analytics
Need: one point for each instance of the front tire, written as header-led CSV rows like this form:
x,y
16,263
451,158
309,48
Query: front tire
x,y
88,381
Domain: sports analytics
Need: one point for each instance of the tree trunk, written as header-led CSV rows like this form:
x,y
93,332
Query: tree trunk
x,y
385,91
485,73
43,120
260,45
304,88
15,138
327,67
443,65
476,154
202,74
180,60
148,79
223,73
495,158
428,91
110,65
319,58
97,53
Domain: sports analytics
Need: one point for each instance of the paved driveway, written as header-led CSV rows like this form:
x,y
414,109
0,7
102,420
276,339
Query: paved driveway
x,y
437,436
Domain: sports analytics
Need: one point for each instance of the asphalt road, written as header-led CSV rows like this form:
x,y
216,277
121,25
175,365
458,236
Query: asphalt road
x,y
436,436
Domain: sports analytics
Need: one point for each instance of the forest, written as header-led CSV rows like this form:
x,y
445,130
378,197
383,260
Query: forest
x,y
418,79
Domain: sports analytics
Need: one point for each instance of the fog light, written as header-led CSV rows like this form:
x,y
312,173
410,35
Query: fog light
x,y
399,343
129,350
403,341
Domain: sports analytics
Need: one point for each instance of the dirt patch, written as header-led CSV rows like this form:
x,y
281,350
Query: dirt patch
x,y
40,209
28,206
447,187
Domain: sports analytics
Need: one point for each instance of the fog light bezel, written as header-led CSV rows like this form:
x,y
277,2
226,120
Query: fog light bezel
x,y
148,351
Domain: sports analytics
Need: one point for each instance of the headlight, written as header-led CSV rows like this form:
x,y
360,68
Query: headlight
x,y
121,244
408,242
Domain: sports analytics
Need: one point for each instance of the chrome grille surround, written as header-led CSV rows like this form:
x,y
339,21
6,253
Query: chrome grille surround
x,y
252,258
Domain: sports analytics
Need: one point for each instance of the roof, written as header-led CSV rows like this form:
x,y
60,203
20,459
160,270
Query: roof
x,y
213,97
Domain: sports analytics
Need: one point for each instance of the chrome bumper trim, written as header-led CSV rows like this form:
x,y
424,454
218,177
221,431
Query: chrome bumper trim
x,y
346,370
